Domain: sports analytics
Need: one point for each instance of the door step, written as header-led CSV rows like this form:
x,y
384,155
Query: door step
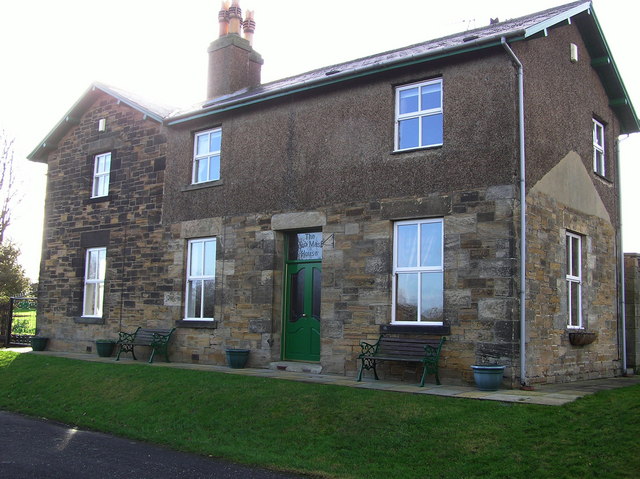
x,y
296,367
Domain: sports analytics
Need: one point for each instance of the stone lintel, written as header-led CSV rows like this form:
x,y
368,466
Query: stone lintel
x,y
299,220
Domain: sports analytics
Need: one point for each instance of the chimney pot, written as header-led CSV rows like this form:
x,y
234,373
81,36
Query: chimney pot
x,y
233,63
235,17
249,27
223,19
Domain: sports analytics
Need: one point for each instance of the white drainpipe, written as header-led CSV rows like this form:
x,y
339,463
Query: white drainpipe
x,y
622,299
523,218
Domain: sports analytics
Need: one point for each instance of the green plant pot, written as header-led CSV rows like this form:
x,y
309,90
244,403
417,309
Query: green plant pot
x,y
105,347
39,343
237,358
488,378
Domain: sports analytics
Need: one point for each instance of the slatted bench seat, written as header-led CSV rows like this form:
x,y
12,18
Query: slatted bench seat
x,y
156,339
425,351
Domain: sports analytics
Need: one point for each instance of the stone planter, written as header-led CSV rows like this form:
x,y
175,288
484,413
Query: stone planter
x,y
582,338
237,358
105,347
488,378
39,343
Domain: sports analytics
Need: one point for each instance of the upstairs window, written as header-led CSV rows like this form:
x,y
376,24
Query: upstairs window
x,y
201,279
574,280
101,173
419,115
598,148
206,158
418,272
94,275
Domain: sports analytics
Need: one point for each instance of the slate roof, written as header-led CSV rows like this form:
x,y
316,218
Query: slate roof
x,y
516,29
580,12
152,110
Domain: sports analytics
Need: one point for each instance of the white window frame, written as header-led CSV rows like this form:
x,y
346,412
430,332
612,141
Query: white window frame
x,y
598,148
420,114
101,175
193,277
416,269
94,282
205,157
573,280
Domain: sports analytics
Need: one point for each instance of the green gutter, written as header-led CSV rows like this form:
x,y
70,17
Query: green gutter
x,y
452,51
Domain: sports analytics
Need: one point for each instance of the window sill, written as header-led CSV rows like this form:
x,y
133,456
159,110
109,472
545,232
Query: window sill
x,y
99,199
195,324
417,149
206,184
602,178
443,329
88,320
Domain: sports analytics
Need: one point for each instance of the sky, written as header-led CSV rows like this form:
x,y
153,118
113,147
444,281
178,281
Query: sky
x,y
51,52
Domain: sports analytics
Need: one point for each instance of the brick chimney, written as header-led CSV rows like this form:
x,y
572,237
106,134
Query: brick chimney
x,y
233,63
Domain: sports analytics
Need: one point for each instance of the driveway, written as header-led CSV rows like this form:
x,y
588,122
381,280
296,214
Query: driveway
x,y
34,448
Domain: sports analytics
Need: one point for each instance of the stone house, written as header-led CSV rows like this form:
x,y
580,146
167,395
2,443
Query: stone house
x,y
396,194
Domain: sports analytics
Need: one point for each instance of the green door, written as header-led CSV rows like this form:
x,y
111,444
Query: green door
x,y
302,310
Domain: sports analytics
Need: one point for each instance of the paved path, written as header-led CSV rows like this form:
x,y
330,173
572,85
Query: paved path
x,y
548,395
34,448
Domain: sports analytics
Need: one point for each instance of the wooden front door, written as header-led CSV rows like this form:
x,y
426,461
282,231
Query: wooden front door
x,y
302,298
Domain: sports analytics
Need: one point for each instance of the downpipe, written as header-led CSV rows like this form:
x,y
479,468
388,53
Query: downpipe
x,y
523,217
622,295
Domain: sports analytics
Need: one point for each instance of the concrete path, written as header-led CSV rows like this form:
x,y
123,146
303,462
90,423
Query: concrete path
x,y
548,395
34,448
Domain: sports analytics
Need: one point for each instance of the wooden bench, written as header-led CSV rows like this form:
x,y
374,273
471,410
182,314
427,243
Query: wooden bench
x,y
425,351
156,339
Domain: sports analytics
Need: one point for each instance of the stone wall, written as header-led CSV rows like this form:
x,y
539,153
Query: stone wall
x,y
480,307
550,355
127,222
632,308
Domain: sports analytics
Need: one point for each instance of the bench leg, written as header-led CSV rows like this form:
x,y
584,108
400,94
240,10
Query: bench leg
x,y
125,348
368,363
425,371
424,375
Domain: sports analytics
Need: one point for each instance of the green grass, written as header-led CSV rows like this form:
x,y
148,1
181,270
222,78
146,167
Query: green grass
x,y
326,430
24,321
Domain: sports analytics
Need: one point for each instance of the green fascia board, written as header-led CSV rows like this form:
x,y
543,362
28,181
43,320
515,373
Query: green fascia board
x,y
72,118
607,70
555,20
481,45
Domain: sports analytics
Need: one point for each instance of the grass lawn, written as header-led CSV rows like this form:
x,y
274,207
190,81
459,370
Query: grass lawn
x,y
326,430
24,321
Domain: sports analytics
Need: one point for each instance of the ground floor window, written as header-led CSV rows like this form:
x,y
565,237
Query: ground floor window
x,y
201,278
574,280
95,271
418,272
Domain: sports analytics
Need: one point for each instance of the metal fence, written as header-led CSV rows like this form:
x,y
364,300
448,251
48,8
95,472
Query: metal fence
x,y
18,321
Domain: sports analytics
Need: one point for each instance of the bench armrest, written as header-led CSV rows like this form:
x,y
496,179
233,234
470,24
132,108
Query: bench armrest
x,y
159,339
368,349
126,338
433,352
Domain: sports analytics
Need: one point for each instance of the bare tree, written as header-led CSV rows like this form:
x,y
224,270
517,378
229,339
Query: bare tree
x,y
8,189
